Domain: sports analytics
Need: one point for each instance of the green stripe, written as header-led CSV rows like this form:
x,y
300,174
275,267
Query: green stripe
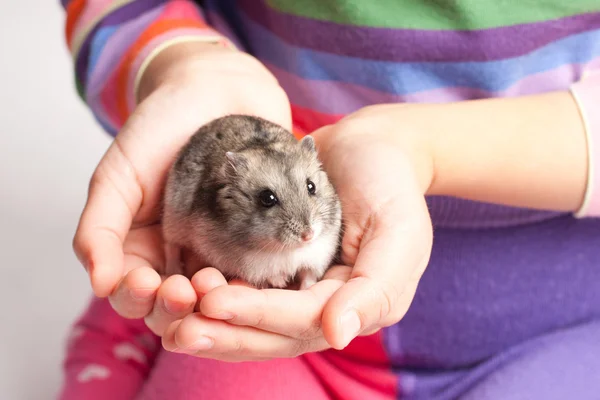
x,y
80,89
434,14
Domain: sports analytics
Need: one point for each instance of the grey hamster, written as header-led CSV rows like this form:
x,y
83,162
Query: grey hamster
x,y
251,200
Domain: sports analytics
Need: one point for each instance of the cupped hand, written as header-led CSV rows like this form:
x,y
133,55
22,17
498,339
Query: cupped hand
x,y
119,238
385,249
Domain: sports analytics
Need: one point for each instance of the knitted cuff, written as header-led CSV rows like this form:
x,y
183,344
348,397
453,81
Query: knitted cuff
x,y
587,96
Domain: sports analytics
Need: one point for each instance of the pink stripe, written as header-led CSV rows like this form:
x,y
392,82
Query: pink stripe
x,y
176,9
153,44
115,48
106,107
340,98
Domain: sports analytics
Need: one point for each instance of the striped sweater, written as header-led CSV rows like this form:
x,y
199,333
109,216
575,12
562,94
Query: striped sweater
x,y
334,57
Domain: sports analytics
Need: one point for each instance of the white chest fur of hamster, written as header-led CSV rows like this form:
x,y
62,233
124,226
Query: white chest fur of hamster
x,y
310,261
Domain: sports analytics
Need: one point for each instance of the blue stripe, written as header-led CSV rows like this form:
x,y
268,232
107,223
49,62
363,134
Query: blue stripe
x,y
407,78
108,128
97,44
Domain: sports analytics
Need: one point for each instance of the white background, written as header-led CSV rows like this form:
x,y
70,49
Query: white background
x,y
49,146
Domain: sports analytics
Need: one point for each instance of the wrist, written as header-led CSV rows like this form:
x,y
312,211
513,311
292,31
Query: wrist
x,y
417,146
400,125
391,127
216,80
173,61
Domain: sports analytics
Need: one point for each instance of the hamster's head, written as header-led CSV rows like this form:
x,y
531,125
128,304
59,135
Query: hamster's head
x,y
278,198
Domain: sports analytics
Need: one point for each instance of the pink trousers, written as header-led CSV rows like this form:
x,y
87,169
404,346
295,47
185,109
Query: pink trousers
x,y
110,357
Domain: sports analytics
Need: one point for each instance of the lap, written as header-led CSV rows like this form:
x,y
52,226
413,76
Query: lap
x,y
562,365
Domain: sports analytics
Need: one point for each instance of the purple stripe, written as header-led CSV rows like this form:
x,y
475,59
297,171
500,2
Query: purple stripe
x,y
341,98
413,45
117,17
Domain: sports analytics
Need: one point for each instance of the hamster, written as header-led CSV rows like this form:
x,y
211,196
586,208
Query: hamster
x,y
249,199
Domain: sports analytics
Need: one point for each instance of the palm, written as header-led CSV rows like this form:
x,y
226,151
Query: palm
x,y
385,216
119,231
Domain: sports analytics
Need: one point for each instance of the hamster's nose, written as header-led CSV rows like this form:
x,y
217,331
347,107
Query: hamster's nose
x,y
307,235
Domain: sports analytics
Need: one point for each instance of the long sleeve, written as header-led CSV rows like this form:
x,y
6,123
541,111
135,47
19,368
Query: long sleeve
x,y
112,41
587,95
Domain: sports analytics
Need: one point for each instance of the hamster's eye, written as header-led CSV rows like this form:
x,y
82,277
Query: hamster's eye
x,y
310,185
267,198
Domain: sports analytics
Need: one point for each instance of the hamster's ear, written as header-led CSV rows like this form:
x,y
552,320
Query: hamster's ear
x,y
235,161
308,143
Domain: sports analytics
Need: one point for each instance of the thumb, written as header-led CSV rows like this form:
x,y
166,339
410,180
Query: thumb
x,y
114,195
391,258
122,191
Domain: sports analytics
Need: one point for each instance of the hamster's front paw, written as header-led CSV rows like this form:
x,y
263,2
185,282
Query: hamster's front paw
x,y
308,277
278,282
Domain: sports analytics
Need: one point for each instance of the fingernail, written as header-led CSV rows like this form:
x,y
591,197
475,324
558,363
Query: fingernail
x,y
350,324
141,293
174,307
222,315
204,343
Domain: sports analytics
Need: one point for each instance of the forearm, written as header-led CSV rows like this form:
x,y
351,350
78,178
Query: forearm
x,y
164,65
524,152
169,65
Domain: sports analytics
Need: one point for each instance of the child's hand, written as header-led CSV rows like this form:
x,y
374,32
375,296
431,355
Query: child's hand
x,y
387,242
118,239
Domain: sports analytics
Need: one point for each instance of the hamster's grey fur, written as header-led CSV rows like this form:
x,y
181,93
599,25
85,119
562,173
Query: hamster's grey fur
x,y
216,204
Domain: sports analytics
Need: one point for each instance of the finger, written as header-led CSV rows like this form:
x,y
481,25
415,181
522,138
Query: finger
x,y
208,338
113,199
175,299
339,272
168,337
391,255
400,309
291,313
206,280
239,282
134,296
209,278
